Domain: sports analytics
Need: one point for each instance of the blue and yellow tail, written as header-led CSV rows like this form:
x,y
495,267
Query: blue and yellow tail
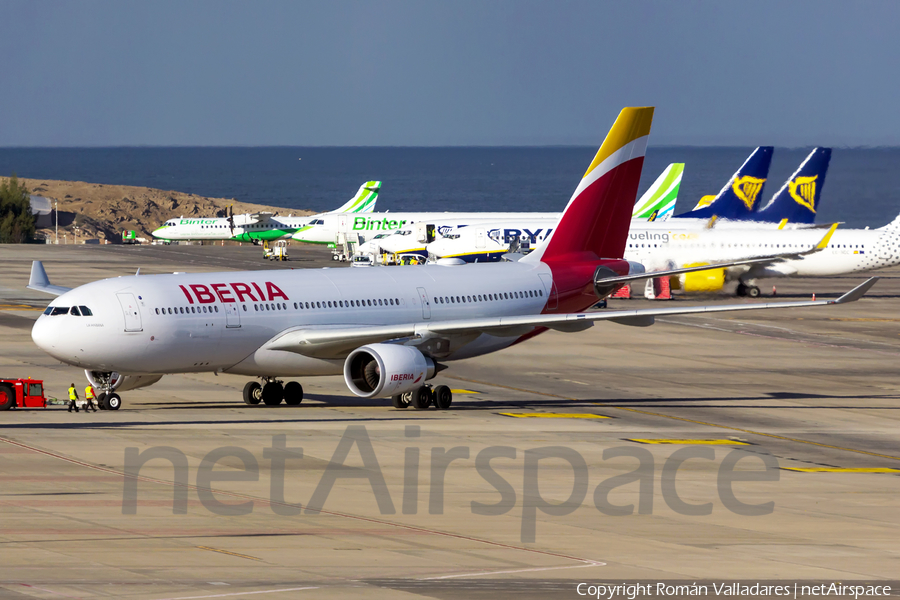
x,y
739,198
798,198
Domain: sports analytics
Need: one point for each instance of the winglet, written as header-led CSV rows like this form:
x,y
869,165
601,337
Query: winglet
x,y
824,242
857,292
41,283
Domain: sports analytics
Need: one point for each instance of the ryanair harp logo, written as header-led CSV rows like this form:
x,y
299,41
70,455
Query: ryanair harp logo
x,y
747,188
803,191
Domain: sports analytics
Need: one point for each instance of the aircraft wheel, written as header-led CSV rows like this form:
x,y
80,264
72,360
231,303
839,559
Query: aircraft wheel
x,y
443,397
741,290
101,400
421,398
113,401
293,393
252,393
400,400
272,393
753,291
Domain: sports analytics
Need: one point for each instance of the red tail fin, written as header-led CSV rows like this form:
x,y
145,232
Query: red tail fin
x,y
597,218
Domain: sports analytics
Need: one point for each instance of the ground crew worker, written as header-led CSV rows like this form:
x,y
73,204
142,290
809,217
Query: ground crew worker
x,y
89,396
73,398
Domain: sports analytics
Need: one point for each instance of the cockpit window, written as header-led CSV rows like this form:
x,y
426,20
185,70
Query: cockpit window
x,y
75,311
48,310
317,222
59,310
85,311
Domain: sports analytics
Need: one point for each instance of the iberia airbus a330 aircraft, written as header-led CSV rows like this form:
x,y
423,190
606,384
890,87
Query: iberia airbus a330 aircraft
x,y
386,330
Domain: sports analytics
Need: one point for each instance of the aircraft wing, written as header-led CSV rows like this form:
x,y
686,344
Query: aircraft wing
x,y
251,218
612,281
338,342
41,283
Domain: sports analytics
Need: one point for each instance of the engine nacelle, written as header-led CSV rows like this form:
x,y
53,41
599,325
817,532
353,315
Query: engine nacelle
x,y
711,280
111,382
604,290
386,370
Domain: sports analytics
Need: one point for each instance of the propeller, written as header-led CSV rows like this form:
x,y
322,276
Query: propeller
x,y
229,211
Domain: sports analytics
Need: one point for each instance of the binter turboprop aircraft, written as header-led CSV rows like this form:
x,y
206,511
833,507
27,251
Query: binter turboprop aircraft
x,y
260,227
387,330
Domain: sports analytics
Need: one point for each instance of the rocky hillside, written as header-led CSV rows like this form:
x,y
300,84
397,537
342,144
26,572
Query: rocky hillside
x,y
101,211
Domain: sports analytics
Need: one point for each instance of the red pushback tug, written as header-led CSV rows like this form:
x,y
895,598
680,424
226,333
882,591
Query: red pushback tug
x,y
22,393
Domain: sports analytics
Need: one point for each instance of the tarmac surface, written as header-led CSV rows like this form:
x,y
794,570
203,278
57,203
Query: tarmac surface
x,y
510,493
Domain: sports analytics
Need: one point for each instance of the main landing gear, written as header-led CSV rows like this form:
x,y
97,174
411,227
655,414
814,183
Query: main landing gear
x,y
747,290
272,392
423,397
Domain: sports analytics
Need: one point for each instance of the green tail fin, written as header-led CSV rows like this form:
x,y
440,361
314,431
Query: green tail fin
x,y
364,200
660,198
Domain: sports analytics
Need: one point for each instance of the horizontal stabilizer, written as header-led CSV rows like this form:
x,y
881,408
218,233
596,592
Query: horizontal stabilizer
x,y
41,283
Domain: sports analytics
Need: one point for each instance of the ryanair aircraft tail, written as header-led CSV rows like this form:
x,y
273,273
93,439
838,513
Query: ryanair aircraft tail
x,y
798,198
738,199
658,202
364,200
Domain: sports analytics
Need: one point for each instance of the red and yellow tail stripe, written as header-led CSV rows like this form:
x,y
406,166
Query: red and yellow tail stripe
x,y
598,215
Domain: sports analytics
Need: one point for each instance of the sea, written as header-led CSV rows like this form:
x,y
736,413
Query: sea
x,y
862,187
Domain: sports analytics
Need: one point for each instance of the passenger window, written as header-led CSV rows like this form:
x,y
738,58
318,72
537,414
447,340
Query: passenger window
x,y
74,311
170,311
217,308
85,311
397,301
182,309
157,311
192,310
244,307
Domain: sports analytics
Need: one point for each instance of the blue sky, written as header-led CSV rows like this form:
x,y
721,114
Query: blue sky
x,y
98,73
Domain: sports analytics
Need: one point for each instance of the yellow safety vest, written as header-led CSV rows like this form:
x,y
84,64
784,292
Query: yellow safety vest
x,y
73,395
89,393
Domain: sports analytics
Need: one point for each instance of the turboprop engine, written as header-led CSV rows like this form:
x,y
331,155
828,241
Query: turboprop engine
x,y
114,382
387,370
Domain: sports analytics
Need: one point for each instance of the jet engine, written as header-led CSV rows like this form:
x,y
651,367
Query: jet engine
x,y
711,280
386,370
115,382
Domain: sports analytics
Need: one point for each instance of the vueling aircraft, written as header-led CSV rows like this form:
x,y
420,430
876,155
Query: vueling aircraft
x,y
260,227
388,331
838,252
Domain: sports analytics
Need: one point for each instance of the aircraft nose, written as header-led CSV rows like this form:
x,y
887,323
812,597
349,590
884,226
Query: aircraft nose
x,y
45,335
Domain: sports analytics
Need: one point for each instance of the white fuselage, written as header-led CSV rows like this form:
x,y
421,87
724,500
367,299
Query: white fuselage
x,y
245,228
674,244
362,228
154,324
